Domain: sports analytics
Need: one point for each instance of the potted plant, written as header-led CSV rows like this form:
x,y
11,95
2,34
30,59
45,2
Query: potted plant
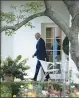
x,y
13,68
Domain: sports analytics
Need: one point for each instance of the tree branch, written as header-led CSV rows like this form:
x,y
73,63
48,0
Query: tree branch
x,y
71,6
47,5
59,21
17,26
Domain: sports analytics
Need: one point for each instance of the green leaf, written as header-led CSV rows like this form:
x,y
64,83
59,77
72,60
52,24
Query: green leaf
x,y
8,58
9,32
18,58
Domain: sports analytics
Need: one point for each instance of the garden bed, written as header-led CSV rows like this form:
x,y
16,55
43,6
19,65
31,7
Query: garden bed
x,y
38,89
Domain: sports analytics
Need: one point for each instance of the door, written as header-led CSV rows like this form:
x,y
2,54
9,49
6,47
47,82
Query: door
x,y
52,36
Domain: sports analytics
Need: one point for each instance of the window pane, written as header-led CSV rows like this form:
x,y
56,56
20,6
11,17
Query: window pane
x,y
49,56
57,56
49,53
48,32
48,46
49,41
58,66
57,32
57,43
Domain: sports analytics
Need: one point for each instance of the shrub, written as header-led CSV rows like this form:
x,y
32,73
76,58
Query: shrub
x,y
15,68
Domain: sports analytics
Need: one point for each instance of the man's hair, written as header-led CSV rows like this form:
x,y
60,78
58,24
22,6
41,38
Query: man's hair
x,y
38,33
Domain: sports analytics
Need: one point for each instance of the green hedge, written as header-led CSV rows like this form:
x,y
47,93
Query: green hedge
x,y
9,89
6,90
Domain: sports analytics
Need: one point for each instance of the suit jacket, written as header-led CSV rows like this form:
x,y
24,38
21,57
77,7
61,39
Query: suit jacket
x,y
40,49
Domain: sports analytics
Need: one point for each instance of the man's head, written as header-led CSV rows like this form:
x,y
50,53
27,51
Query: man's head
x,y
37,35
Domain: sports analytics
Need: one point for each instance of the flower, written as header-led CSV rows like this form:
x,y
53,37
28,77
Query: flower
x,y
20,70
30,86
21,86
14,96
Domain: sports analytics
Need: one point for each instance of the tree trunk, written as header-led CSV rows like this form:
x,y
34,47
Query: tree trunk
x,y
74,47
74,51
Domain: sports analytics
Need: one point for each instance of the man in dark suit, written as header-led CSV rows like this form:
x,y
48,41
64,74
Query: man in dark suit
x,y
40,54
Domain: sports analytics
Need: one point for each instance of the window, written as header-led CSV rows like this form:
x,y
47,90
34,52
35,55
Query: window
x,y
54,44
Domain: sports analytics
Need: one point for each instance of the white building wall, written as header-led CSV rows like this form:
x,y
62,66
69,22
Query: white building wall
x,y
7,45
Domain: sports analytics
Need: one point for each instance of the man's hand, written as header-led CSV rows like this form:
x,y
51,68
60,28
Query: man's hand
x,y
33,56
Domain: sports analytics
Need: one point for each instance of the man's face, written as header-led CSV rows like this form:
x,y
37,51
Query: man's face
x,y
36,36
